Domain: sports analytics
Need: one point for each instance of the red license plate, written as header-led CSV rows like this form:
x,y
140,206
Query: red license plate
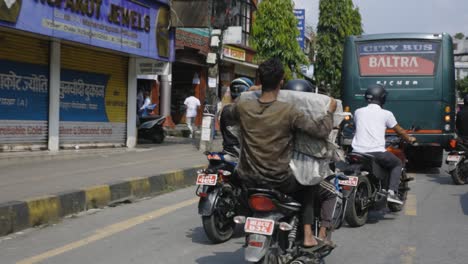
x,y
259,226
207,179
352,181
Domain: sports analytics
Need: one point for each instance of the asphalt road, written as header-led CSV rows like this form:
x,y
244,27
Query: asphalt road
x,y
166,229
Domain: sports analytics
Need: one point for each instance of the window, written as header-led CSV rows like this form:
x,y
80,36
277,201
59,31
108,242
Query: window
x,y
244,19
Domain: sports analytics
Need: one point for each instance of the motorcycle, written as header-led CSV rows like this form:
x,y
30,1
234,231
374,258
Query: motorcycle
x,y
220,198
457,162
373,181
273,233
151,128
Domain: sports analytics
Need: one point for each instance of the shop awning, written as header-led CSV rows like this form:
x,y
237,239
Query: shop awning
x,y
243,63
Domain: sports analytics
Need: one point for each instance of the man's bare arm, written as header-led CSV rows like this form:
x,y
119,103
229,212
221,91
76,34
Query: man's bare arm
x,y
402,133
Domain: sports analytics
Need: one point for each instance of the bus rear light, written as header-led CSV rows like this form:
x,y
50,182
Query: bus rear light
x,y
347,118
447,109
447,118
347,109
447,127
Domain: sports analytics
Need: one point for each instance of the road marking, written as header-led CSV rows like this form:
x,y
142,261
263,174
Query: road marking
x,y
408,253
411,205
108,231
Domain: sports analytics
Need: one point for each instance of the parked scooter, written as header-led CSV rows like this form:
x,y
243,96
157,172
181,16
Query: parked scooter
x,y
457,162
151,128
221,198
273,232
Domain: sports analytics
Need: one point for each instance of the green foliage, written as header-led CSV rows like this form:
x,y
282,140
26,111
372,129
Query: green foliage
x,y
274,34
462,86
459,36
338,19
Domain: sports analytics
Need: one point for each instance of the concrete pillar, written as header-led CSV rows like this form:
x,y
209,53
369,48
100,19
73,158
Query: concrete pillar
x,y
131,104
165,96
54,96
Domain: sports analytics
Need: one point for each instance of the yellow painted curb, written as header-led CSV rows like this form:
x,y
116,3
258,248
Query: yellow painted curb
x,y
140,187
98,196
175,178
43,210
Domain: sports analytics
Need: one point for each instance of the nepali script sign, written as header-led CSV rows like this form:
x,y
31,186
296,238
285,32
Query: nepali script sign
x,y
135,27
300,16
398,58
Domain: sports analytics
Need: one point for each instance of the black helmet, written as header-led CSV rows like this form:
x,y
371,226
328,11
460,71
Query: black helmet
x,y
465,100
299,85
376,94
239,86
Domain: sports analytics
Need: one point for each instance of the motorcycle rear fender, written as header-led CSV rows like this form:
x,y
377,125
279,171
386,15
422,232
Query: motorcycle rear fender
x,y
206,204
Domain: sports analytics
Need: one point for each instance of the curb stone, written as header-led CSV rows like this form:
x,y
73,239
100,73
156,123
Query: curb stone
x,y
19,215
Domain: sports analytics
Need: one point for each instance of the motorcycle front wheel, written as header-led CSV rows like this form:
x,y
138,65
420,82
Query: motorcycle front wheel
x,y
459,174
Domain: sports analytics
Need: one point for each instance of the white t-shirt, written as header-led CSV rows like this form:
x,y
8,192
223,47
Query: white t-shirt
x,y
192,104
371,123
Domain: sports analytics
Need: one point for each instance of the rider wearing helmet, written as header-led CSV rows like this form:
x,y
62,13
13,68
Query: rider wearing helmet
x,y
325,190
462,120
228,124
371,123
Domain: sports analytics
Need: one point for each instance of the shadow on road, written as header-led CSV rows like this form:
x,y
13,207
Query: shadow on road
x,y
442,178
464,203
234,257
198,235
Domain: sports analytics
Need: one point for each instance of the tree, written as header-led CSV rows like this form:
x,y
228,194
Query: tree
x,y
337,20
274,34
462,86
459,35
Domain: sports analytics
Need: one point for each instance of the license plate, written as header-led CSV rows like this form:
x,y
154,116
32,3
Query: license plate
x,y
207,179
352,181
259,226
454,158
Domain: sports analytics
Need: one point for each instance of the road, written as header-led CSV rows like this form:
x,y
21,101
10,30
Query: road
x,y
166,229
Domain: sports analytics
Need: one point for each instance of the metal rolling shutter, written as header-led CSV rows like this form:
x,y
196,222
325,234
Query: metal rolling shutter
x,y
98,117
24,92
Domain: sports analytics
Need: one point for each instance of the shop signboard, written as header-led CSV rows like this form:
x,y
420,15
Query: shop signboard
x,y
151,67
134,27
234,53
300,16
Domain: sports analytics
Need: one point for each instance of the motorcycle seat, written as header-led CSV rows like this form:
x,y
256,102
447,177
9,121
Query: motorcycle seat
x,y
369,164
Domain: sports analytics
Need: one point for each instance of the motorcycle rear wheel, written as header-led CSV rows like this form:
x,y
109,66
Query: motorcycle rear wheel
x,y
216,233
457,175
356,215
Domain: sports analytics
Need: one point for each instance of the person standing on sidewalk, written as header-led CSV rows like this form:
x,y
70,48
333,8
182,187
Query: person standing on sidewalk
x,y
192,104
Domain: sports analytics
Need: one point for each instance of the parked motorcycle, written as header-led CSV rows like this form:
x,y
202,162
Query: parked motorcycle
x,y
373,181
457,162
151,128
220,198
273,232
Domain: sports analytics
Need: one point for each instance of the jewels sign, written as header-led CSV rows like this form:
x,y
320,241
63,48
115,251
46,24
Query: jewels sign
x,y
398,58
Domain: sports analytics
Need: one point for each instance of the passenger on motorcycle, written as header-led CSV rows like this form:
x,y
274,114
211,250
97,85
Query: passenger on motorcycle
x,y
267,128
462,120
325,190
229,125
371,123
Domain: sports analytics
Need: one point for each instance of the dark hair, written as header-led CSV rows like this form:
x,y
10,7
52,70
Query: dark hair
x,y
271,73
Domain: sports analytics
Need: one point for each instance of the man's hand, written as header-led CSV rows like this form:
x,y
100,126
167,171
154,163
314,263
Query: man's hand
x,y
255,88
411,140
332,106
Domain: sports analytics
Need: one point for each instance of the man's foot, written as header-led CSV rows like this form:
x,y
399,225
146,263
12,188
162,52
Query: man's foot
x,y
310,242
393,198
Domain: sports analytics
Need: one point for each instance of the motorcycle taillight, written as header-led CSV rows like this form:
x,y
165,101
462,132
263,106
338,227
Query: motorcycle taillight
x,y
261,203
453,143
224,175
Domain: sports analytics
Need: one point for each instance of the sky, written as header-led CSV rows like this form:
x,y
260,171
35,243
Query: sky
x,y
384,16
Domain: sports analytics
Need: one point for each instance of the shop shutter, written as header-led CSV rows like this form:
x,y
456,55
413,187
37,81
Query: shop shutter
x,y
24,92
93,104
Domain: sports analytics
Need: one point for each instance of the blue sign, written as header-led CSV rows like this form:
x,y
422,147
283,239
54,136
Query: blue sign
x,y
300,16
82,96
135,27
24,91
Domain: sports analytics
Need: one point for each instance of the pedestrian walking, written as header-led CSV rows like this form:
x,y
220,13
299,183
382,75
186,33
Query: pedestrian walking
x,y
192,104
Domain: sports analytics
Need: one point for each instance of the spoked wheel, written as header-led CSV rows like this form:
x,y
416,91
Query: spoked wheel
x,y
402,194
460,174
219,226
357,209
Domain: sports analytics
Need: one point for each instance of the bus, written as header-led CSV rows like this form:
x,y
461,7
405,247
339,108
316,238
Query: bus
x,y
418,73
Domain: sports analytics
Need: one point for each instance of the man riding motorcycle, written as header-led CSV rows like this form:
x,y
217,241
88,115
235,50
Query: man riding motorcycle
x,y
228,124
267,127
371,123
325,190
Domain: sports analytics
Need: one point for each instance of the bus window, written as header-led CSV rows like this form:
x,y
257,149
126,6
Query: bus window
x,y
398,58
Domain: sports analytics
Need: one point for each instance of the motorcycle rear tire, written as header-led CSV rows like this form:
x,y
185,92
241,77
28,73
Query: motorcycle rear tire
x,y
352,217
158,137
457,176
215,234
402,193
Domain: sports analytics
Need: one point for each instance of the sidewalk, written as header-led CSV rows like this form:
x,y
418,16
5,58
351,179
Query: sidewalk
x,y
47,186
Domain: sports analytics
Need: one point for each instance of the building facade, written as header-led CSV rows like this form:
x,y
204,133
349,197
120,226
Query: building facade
x,y
68,70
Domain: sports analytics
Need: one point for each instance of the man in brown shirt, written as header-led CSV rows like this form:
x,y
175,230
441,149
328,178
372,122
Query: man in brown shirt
x,y
267,129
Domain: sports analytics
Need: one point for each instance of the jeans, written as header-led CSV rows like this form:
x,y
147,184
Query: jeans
x,y
390,162
189,121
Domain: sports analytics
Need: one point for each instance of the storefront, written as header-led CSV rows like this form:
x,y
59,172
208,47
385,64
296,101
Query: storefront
x,y
237,61
68,75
